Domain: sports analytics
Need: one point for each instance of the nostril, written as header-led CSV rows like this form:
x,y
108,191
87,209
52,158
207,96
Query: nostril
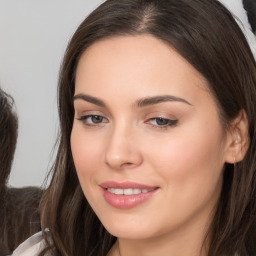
x,y
128,164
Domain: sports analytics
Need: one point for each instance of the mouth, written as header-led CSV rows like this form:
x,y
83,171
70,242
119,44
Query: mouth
x,y
127,194
128,191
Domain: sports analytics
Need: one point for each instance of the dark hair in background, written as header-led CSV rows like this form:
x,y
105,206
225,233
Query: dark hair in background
x,y
8,139
20,215
8,133
19,207
207,36
250,7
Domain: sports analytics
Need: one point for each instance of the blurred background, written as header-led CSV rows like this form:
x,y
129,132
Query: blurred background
x,y
33,38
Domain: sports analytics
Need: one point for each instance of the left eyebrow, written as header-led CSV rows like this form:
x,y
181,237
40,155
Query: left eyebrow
x,y
159,99
90,99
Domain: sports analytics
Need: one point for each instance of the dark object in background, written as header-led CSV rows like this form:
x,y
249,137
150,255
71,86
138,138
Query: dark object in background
x,y
19,214
21,217
250,7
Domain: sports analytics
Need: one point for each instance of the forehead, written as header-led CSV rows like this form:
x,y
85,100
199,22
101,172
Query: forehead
x,y
143,62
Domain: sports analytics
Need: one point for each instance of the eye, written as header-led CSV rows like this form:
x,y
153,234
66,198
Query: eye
x,y
92,119
162,122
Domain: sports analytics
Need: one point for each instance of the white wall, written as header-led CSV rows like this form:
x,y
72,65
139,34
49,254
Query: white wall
x,y
33,38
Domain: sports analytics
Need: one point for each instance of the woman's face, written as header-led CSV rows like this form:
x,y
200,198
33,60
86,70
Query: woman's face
x,y
147,142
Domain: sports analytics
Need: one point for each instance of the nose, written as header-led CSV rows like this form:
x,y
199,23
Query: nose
x,y
122,150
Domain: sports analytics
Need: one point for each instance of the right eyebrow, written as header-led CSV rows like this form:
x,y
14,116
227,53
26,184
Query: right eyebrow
x,y
90,99
159,99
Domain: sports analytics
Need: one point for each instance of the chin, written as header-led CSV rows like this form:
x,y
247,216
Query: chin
x,y
129,234
130,229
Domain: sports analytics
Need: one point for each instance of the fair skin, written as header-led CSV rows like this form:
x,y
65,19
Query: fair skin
x,y
144,115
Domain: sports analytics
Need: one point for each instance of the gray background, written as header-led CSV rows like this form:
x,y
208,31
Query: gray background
x,y
33,38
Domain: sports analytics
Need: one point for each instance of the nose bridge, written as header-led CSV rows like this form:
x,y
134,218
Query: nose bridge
x,y
121,149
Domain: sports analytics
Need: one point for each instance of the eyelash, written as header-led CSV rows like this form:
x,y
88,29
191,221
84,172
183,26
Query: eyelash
x,y
84,119
167,122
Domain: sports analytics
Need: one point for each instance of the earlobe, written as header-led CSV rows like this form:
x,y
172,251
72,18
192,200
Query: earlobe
x,y
238,139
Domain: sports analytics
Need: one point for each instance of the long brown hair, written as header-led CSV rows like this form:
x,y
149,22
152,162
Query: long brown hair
x,y
205,34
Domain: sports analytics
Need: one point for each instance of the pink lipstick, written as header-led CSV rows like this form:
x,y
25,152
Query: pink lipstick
x,y
126,195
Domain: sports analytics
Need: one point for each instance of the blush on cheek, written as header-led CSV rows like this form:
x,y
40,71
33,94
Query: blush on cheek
x,y
85,149
189,158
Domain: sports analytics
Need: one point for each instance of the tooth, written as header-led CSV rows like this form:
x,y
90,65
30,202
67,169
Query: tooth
x,y
111,190
119,191
136,191
128,191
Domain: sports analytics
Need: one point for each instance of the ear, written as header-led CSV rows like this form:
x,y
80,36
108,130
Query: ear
x,y
237,139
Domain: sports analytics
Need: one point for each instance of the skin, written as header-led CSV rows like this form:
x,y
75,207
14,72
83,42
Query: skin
x,y
130,143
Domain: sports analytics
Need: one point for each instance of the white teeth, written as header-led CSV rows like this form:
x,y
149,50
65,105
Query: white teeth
x,y
136,191
111,190
127,191
119,191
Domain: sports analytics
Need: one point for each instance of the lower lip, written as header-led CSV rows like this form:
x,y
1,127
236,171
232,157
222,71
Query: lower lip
x,y
127,201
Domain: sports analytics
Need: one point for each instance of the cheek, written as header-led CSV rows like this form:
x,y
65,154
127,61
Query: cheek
x,y
190,158
87,152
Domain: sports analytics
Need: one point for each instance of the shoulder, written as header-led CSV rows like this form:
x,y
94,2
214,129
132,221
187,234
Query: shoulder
x,y
31,247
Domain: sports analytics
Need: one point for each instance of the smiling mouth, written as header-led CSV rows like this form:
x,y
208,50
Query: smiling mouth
x,y
126,195
128,191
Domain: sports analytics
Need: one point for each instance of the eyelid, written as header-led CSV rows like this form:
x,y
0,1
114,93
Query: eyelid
x,y
152,118
82,112
85,120
169,122
84,117
163,115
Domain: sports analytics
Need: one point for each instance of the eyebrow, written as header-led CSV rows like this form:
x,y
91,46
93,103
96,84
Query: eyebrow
x,y
139,103
159,99
90,99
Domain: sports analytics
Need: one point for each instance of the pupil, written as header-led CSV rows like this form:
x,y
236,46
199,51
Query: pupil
x,y
161,121
96,119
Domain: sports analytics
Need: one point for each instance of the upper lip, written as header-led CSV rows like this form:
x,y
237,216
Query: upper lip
x,y
125,185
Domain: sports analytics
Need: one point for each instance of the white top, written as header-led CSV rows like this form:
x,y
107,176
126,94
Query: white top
x,y
31,247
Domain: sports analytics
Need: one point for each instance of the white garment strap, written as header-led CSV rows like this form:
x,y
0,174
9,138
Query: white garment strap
x,y
239,13
31,247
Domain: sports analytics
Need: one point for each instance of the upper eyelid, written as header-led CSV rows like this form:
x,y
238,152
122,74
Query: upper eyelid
x,y
163,115
90,115
81,109
84,120
173,122
168,119
81,112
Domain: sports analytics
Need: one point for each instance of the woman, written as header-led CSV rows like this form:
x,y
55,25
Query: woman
x,y
158,135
